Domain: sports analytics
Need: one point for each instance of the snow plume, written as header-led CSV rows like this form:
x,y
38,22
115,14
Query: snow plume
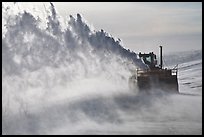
x,y
43,66
26,39
53,22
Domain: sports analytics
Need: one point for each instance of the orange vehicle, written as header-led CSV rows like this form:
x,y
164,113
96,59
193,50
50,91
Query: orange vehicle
x,y
155,76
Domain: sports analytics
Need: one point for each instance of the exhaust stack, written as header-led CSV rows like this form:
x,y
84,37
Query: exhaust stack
x,y
161,57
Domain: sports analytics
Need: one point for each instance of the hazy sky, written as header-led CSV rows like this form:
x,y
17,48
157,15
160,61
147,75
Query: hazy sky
x,y
143,26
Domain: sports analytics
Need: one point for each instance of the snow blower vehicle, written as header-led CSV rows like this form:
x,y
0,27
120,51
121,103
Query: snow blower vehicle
x,y
155,77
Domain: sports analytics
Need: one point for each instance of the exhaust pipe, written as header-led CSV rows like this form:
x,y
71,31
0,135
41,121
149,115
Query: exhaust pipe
x,y
161,57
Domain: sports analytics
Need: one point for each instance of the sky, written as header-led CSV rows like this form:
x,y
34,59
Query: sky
x,y
143,26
